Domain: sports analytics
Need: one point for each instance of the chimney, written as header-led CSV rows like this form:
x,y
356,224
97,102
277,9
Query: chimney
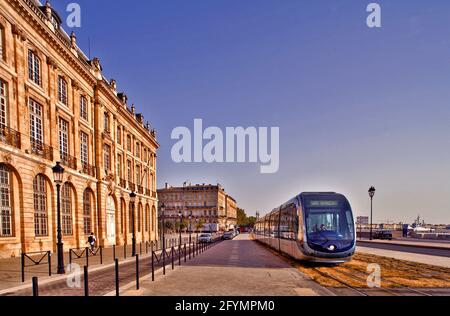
x,y
167,185
73,39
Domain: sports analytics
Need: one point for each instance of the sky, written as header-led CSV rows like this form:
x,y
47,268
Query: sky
x,y
356,106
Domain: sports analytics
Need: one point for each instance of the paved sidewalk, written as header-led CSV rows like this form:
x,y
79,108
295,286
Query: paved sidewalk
x,y
415,243
239,267
408,256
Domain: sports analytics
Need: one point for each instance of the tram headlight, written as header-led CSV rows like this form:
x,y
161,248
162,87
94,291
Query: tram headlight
x,y
332,248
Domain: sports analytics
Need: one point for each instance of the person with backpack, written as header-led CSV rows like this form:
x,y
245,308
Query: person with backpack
x,y
91,241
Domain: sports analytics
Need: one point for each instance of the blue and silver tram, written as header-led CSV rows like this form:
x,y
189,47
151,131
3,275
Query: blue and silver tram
x,y
317,227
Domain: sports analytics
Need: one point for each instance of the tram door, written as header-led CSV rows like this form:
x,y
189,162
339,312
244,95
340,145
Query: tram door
x,y
110,220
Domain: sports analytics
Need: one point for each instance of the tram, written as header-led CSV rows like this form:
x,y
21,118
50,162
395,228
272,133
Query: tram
x,y
313,226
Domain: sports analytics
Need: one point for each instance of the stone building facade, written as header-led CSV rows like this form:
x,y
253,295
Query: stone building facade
x,y
55,105
206,202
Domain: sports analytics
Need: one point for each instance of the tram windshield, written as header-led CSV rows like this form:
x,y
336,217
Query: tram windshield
x,y
329,224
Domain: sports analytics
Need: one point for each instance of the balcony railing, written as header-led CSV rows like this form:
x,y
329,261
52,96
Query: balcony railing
x,y
123,183
68,161
10,136
148,192
88,169
140,189
42,150
131,186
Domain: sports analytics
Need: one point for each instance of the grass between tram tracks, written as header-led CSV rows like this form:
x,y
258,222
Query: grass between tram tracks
x,y
394,273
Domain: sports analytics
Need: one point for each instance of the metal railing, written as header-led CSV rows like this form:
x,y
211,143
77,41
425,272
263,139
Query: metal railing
x,y
10,136
41,256
88,169
80,253
41,150
68,161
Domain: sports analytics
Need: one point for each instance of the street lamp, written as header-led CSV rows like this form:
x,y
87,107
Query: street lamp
x,y
190,228
181,222
133,239
371,194
58,172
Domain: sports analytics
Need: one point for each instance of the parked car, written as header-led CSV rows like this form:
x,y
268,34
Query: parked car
x,y
205,238
382,234
228,235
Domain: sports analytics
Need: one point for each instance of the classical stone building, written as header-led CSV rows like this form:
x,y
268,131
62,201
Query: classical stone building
x,y
210,203
55,105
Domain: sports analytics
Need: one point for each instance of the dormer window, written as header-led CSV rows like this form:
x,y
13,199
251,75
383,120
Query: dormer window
x,y
62,90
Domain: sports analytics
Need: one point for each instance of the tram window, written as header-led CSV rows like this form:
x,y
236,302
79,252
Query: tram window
x,y
288,223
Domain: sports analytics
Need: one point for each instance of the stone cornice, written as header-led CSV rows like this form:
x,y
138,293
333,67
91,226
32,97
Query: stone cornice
x,y
36,19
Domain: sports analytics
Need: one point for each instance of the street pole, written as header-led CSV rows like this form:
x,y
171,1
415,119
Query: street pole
x,y
60,245
181,220
133,238
371,194
190,228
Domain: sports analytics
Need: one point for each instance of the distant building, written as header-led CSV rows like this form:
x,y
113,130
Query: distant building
x,y
206,202
362,220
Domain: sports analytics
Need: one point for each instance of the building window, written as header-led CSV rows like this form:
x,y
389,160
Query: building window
x,y
129,174
40,206
63,139
129,143
107,157
138,150
84,108
119,166
34,67
62,90
2,43
66,210
3,105
87,203
5,206
119,135
138,175
147,218
122,216
106,122
84,148
36,135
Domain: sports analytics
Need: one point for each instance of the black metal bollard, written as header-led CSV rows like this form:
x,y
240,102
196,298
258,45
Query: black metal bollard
x,y
184,252
117,276
70,256
101,255
153,266
49,263
140,248
137,272
179,255
114,252
173,266
87,256
124,251
86,281
35,286
164,261
146,247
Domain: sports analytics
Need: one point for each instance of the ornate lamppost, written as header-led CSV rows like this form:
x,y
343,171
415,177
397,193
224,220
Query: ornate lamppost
x,y
180,215
371,194
58,172
162,207
133,239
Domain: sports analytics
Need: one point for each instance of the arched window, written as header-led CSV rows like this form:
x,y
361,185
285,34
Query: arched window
x,y
5,206
122,216
87,212
66,210
154,219
139,218
147,217
40,206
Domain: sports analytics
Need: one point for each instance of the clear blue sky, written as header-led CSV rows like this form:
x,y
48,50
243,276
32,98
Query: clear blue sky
x,y
356,106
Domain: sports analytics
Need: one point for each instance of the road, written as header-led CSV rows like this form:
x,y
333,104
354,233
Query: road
x,y
233,268
407,248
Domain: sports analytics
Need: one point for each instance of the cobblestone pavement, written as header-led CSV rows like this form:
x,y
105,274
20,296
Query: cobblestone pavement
x,y
101,278
233,268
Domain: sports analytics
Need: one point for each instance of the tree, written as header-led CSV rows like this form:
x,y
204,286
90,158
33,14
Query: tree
x,y
243,219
